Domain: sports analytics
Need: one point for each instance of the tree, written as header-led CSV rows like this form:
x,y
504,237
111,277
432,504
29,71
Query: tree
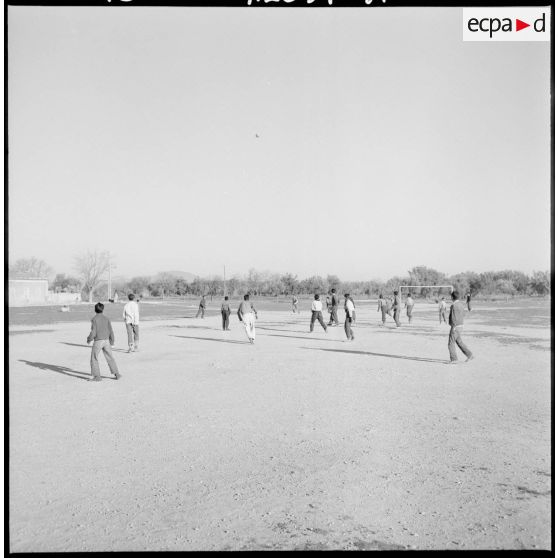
x,y
214,286
198,286
422,275
90,267
233,285
505,286
394,283
253,281
274,286
165,283
372,288
540,282
313,285
333,282
138,285
181,287
520,282
65,284
289,284
31,268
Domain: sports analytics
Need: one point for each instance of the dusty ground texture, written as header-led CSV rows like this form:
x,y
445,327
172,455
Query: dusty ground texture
x,y
301,441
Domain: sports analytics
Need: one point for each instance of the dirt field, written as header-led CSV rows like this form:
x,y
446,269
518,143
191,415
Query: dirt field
x,y
301,441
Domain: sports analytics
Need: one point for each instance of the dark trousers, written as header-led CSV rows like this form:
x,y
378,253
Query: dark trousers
x,y
201,310
455,338
225,317
396,313
469,305
333,316
317,316
348,330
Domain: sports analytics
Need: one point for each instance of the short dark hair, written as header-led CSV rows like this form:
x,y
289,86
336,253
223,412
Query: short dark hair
x,y
246,296
226,298
381,295
347,294
316,297
99,307
131,296
332,290
454,295
395,292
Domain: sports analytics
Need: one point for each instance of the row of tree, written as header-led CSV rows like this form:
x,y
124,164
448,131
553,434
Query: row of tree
x,y
91,269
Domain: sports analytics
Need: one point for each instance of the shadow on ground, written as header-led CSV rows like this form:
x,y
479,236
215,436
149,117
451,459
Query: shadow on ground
x,y
419,359
89,346
22,331
62,370
212,339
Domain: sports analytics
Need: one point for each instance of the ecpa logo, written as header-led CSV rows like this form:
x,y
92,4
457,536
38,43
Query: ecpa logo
x,y
506,24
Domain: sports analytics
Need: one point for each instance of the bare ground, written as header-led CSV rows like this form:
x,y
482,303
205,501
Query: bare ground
x,y
302,441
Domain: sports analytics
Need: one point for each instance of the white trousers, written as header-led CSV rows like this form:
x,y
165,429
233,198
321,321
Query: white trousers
x,y
250,324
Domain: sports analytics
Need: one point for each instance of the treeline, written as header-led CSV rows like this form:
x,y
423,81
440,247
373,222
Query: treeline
x,y
509,283
93,267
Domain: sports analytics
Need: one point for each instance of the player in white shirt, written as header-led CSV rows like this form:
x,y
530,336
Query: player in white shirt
x,y
349,309
442,310
131,319
409,303
317,313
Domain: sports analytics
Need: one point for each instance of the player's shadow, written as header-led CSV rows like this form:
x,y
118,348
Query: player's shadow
x,y
89,346
275,329
189,327
309,338
264,323
211,339
60,369
25,331
419,359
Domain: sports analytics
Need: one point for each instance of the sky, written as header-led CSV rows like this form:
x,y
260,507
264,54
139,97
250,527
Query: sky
x,y
357,142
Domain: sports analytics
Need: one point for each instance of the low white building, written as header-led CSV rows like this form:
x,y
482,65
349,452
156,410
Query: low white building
x,y
23,292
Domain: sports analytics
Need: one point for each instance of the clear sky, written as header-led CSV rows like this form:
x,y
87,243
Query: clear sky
x,y
385,141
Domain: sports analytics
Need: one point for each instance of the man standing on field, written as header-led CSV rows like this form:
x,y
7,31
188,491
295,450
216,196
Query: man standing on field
x,y
457,312
409,303
382,305
295,305
468,298
442,310
334,304
247,315
225,313
201,308
103,338
396,308
131,319
317,313
349,309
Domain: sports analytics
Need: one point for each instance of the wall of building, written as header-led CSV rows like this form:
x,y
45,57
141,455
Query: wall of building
x,y
23,292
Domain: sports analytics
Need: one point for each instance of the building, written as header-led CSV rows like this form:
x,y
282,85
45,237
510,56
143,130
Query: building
x,y
27,291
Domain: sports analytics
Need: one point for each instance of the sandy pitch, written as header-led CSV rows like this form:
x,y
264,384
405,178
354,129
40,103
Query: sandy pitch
x,y
302,441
